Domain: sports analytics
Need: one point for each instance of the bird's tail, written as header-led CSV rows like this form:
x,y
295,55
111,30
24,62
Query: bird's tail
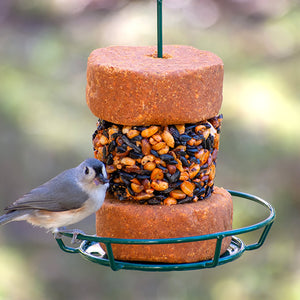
x,y
10,216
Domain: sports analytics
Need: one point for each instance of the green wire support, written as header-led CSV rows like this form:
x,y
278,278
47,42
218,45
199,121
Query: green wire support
x,y
159,30
234,251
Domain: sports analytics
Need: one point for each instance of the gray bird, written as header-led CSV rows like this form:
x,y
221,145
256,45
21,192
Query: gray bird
x,y
64,200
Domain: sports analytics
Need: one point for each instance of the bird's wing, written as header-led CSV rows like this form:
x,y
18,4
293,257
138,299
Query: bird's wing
x,y
58,194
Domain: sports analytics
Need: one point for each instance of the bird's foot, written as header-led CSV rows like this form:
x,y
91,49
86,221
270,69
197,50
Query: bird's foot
x,y
58,234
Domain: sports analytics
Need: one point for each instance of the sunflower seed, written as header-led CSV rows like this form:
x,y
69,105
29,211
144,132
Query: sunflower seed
x,y
130,144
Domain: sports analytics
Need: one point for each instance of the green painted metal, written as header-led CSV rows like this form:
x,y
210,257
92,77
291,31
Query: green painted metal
x,y
159,30
235,250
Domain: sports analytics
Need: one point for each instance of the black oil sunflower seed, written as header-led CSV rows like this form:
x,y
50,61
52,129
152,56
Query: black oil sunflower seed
x,y
184,138
105,133
175,133
172,162
155,153
166,157
137,138
184,161
121,149
205,166
111,146
164,169
104,151
195,160
126,175
125,180
127,141
199,191
140,128
131,192
110,159
181,153
172,178
115,135
190,127
135,155
153,201
143,176
187,199
94,134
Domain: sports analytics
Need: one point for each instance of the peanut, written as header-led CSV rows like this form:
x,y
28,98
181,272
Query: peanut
x,y
177,194
149,131
137,188
142,196
180,128
136,181
147,158
203,155
157,137
133,168
170,201
150,166
126,129
112,130
206,133
103,140
132,133
157,174
188,188
99,153
212,172
194,170
214,154
184,176
168,138
127,161
159,146
159,161
191,142
159,185
164,150
216,141
146,147
199,128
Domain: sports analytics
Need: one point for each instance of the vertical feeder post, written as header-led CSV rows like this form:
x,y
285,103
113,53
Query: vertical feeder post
x,y
159,30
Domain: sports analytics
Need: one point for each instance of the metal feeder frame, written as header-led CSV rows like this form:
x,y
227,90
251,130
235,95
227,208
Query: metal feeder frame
x,y
234,251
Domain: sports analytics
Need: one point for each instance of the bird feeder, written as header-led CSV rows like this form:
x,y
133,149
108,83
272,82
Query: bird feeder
x,y
149,173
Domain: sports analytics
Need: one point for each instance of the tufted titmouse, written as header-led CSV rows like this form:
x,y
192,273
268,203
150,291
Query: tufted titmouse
x,y
65,199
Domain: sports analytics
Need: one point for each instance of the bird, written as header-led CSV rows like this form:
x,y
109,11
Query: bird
x,y
65,199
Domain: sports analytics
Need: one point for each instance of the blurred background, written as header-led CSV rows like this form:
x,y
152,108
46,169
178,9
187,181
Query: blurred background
x,y
46,127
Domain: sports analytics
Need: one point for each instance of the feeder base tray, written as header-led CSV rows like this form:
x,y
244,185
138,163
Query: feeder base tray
x,y
236,248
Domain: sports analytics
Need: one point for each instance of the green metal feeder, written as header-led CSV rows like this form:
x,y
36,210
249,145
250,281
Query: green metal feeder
x,y
234,251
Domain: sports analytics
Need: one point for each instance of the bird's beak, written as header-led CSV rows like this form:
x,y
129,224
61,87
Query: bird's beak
x,y
100,180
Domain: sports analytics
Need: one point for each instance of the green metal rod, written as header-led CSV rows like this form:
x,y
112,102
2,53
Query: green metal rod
x,y
217,252
159,30
65,247
114,266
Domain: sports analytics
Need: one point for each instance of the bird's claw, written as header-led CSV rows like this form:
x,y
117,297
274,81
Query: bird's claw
x,y
74,232
74,239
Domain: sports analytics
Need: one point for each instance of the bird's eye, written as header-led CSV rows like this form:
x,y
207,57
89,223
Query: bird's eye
x,y
86,171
